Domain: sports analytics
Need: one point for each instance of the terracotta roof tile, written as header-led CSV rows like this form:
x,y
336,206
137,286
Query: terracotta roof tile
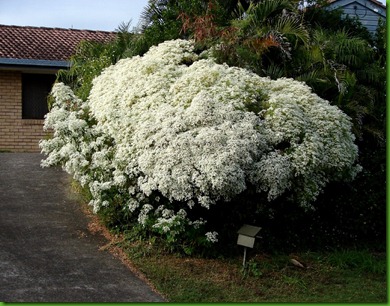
x,y
40,43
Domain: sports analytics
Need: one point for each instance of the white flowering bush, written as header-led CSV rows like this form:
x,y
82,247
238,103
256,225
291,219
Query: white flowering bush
x,y
171,132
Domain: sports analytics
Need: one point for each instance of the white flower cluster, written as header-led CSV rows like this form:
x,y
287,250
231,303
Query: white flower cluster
x,y
195,132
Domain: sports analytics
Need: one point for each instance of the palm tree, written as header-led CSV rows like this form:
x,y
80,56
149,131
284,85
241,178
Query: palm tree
x,y
261,34
340,68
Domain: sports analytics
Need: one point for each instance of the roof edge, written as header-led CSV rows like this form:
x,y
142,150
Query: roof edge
x,y
34,63
372,1
57,28
335,5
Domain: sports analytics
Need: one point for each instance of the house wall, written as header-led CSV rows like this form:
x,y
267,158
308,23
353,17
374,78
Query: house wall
x,y
366,11
16,134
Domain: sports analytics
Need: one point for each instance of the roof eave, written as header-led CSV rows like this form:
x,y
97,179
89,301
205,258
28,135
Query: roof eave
x,y
372,1
16,63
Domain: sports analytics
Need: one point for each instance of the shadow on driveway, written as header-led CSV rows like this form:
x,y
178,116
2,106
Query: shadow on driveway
x,y
46,251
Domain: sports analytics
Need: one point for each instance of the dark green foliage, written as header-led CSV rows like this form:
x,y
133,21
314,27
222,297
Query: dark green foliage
x,y
115,216
332,20
362,261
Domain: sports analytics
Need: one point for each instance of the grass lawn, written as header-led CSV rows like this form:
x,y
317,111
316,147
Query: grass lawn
x,y
342,276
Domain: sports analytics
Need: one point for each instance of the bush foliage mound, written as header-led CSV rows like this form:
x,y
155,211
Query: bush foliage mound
x,y
166,136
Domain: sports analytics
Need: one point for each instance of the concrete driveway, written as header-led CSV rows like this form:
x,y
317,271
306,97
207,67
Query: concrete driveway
x,y
46,251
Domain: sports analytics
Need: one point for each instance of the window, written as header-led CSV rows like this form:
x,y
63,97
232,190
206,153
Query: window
x,y
35,89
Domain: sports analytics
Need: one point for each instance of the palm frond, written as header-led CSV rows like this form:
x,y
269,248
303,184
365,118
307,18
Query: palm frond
x,y
320,83
372,74
274,71
152,13
264,10
291,25
376,133
352,51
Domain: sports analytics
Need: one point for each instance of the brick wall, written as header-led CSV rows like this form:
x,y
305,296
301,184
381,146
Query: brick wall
x,y
16,134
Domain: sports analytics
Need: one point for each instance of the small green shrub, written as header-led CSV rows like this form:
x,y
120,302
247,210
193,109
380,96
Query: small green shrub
x,y
358,260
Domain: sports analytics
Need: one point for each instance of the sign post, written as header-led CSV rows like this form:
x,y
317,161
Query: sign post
x,y
246,238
